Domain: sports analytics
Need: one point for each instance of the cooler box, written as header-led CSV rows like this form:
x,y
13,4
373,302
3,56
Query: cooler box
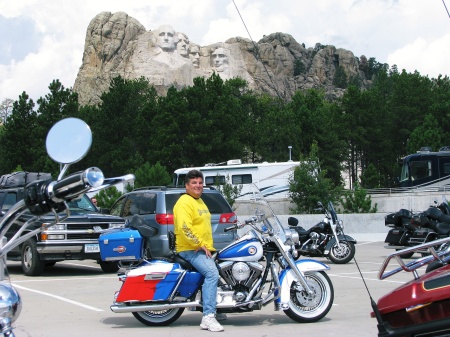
x,y
120,244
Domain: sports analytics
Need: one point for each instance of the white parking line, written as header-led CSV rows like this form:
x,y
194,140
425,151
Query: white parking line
x,y
59,298
54,279
365,278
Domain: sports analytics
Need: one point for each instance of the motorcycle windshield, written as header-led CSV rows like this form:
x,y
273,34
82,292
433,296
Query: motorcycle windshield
x,y
332,212
268,223
445,205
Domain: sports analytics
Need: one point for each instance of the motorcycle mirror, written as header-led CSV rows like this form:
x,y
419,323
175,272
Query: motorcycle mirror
x,y
69,140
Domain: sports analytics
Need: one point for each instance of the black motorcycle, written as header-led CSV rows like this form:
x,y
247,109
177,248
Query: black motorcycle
x,y
402,230
326,238
411,229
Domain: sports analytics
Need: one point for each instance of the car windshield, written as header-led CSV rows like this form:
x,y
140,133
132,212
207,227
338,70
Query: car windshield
x,y
82,204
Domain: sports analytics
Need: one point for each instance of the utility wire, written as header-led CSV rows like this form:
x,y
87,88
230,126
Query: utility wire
x,y
257,53
446,8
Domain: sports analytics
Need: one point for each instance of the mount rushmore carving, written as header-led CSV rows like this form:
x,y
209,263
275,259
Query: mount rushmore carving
x,y
117,44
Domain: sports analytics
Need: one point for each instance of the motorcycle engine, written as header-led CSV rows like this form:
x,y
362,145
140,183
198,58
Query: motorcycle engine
x,y
240,274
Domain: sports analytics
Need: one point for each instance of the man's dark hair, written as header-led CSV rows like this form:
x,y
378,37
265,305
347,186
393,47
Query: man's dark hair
x,y
192,174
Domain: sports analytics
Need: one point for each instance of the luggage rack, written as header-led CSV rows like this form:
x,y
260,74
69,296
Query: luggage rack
x,y
433,248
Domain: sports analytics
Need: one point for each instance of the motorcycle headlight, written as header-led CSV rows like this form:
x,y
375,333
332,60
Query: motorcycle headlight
x,y
292,237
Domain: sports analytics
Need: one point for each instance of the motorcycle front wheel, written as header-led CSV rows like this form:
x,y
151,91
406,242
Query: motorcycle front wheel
x,y
342,253
159,317
306,308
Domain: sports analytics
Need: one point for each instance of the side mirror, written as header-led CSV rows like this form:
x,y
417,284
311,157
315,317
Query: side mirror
x,y
68,141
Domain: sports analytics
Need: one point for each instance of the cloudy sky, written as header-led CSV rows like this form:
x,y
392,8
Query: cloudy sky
x,y
43,40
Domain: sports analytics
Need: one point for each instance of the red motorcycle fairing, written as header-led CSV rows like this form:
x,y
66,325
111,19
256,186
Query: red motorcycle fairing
x,y
156,280
421,301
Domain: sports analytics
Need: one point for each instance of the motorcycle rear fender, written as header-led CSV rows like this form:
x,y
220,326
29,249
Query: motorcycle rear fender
x,y
287,276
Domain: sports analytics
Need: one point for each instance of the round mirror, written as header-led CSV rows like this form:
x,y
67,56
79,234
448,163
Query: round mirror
x,y
69,140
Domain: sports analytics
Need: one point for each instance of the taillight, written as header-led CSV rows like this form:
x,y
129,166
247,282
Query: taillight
x,y
164,219
228,218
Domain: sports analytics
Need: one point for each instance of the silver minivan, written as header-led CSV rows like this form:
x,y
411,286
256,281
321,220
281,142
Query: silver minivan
x,y
155,206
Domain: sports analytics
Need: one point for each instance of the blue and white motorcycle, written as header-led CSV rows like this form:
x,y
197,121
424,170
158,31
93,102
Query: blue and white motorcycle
x,y
255,270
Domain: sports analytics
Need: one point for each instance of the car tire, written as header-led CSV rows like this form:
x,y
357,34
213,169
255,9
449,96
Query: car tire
x,y
30,259
109,266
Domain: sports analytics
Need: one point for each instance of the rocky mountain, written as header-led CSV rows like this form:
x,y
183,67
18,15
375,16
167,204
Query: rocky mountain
x,y
117,44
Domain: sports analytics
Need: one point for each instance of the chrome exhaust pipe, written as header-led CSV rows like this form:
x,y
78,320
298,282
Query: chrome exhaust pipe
x,y
121,308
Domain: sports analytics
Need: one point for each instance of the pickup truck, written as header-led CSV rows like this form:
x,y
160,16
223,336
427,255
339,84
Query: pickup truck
x,y
75,238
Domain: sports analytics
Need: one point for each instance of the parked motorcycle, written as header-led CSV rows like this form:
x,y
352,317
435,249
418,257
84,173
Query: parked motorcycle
x,y
420,307
326,238
255,270
402,230
47,196
409,229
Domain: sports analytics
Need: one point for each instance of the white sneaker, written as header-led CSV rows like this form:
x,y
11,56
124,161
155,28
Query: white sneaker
x,y
220,316
210,323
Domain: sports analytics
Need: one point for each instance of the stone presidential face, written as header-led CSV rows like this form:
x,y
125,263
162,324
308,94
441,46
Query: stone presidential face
x,y
183,45
219,59
194,56
166,38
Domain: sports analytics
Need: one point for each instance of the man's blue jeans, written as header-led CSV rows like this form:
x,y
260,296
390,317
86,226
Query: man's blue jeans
x,y
207,267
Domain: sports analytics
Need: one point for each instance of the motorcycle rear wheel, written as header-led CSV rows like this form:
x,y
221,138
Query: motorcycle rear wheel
x,y
343,253
158,318
304,308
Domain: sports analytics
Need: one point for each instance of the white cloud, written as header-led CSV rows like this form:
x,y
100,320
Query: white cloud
x,y
428,57
410,33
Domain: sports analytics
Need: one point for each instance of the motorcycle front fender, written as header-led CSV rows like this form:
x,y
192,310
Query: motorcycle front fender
x,y
333,241
287,276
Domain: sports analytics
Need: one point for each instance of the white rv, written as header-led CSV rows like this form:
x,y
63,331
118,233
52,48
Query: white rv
x,y
271,178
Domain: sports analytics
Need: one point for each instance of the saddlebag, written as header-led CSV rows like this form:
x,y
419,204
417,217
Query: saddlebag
x,y
398,236
422,235
121,244
156,281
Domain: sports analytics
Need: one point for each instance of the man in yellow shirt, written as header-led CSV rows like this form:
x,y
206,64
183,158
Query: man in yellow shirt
x,y
194,243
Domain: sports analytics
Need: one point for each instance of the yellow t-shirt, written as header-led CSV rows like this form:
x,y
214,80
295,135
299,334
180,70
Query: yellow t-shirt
x,y
192,222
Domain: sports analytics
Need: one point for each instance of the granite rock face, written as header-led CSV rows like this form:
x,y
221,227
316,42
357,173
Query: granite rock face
x,y
117,44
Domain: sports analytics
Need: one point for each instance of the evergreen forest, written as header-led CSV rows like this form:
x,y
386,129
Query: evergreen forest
x,y
364,133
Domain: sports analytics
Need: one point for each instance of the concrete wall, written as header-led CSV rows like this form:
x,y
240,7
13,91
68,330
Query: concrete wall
x,y
415,200
361,226
353,223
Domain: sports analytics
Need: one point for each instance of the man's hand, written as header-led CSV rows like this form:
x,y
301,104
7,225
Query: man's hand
x,y
207,252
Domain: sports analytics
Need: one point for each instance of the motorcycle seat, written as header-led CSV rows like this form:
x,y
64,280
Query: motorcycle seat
x,y
443,228
175,257
302,233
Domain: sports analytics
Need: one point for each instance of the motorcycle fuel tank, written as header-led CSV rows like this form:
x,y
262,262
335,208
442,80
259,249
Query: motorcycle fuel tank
x,y
248,248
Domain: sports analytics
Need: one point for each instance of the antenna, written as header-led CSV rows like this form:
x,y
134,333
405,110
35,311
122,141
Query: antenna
x,y
446,8
257,53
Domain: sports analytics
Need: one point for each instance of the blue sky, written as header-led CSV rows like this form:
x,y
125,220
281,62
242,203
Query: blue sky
x,y
43,40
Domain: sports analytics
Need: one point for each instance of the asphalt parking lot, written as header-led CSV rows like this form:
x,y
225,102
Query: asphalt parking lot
x,y
73,298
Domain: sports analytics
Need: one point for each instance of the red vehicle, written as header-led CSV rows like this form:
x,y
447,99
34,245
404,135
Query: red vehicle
x,y
420,307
